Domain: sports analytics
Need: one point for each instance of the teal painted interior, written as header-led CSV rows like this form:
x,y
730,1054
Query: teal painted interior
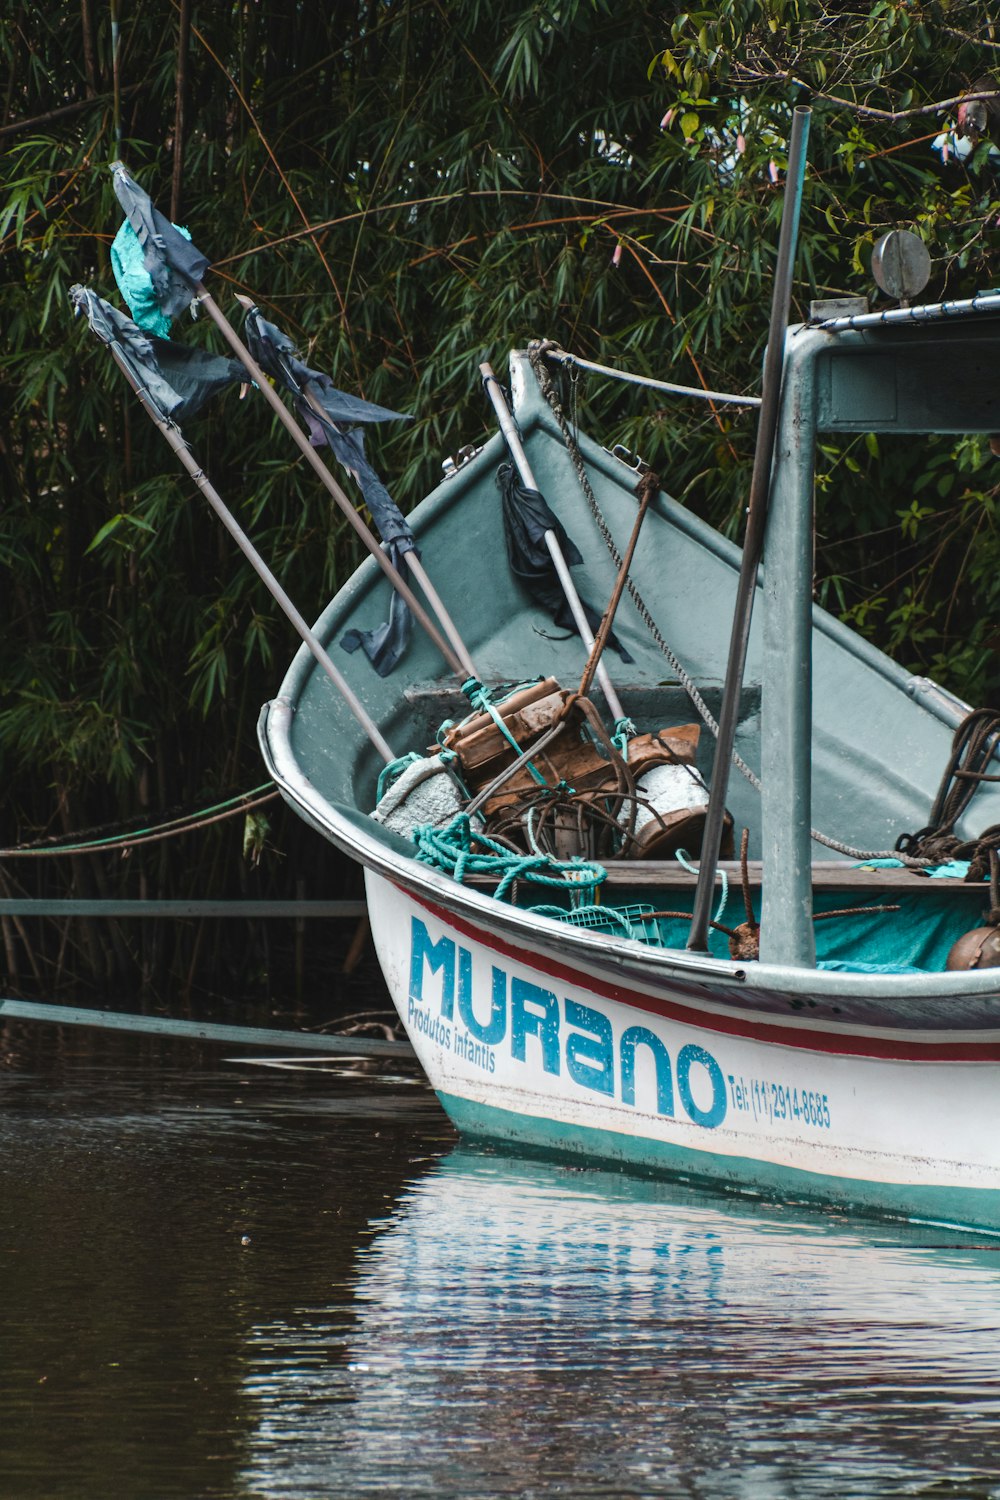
x,y
917,936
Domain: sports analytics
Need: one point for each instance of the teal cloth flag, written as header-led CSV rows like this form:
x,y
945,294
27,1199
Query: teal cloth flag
x,y
135,282
173,264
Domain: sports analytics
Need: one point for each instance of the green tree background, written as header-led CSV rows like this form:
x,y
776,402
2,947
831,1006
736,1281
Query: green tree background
x,y
409,188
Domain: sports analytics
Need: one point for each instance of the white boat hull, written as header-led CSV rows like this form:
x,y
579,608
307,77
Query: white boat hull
x,y
523,1047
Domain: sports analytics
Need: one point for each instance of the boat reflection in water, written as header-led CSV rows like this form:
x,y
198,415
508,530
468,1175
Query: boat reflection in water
x,y
526,1329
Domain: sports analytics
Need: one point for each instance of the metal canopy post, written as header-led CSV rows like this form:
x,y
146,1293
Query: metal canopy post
x,y
786,931
879,374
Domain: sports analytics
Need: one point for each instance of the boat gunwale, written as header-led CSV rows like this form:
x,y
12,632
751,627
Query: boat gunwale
x,y
630,959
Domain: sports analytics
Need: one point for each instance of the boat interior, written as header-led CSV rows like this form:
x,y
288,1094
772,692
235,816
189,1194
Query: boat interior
x,y
878,739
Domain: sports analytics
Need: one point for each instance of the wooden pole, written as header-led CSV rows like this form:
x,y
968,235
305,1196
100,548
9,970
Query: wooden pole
x,y
648,490
173,436
308,452
413,562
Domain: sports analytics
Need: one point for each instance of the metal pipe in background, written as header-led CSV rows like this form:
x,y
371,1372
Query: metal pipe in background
x,y
201,1031
760,485
517,453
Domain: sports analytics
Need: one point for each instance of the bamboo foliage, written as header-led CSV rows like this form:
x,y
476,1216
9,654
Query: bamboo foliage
x,y
410,188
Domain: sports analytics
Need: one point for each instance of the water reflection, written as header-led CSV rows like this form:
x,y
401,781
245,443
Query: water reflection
x,y
523,1329
412,1319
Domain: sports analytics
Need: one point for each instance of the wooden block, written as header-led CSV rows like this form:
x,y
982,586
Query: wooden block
x,y
478,740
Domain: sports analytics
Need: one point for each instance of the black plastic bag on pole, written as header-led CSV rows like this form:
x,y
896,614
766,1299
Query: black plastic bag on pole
x,y
527,517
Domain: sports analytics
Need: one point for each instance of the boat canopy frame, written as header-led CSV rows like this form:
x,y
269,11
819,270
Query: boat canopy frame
x,y
882,377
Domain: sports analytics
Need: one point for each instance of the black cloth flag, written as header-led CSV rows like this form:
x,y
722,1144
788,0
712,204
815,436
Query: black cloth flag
x,y
526,519
385,644
338,425
173,263
178,379
276,355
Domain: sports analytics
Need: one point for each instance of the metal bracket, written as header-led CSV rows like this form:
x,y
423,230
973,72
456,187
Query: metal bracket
x,y
453,463
628,458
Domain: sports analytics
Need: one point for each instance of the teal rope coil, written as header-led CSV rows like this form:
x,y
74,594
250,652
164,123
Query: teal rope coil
x,y
683,858
394,769
450,850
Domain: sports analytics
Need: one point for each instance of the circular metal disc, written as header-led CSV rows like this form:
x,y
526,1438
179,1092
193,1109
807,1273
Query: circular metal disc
x,y
901,264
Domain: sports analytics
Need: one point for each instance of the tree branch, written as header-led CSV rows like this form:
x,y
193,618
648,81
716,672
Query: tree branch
x,y
753,75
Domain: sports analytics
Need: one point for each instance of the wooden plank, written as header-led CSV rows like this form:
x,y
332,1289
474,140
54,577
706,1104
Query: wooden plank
x,y
830,875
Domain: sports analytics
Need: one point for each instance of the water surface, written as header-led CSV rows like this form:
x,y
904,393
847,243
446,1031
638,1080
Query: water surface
x,y
229,1280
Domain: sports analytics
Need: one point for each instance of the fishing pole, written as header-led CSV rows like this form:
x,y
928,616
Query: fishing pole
x,y
173,436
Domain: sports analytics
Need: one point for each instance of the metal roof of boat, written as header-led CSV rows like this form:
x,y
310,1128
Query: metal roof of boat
x,y
929,312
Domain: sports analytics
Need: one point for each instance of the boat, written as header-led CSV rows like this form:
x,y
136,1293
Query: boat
x,y
847,1063
543,842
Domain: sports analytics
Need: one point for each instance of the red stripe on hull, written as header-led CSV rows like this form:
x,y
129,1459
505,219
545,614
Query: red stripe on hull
x,y
838,1043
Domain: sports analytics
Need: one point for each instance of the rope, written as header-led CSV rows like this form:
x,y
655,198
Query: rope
x,y
172,829
974,744
454,850
480,697
683,859
394,769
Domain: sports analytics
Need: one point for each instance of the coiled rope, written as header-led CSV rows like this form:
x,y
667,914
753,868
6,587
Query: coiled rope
x,y
459,850
974,744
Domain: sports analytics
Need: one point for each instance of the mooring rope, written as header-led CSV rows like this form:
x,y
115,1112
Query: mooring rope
x,y
564,357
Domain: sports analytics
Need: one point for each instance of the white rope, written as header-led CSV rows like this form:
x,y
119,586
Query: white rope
x,y
553,352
